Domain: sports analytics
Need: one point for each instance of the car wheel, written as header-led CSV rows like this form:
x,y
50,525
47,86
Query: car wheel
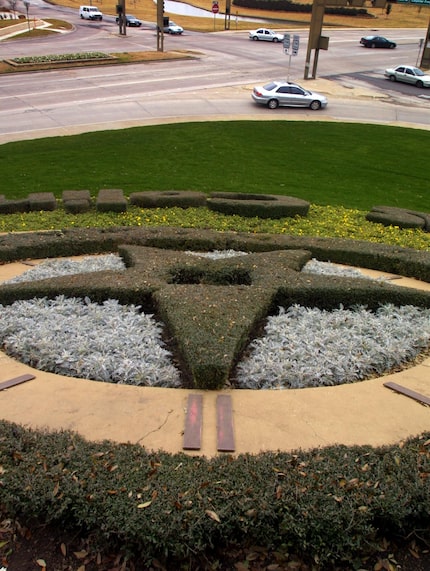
x,y
275,40
392,46
254,38
393,78
273,103
419,84
315,105
373,45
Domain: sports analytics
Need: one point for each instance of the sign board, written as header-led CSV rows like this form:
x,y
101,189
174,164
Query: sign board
x,y
215,7
286,43
296,43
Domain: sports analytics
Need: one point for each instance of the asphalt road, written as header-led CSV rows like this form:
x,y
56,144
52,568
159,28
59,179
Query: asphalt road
x,y
215,85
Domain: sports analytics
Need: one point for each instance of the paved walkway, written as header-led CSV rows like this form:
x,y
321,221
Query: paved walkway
x,y
360,413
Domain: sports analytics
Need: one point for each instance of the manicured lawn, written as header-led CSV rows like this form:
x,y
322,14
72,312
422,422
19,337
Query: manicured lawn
x,y
354,166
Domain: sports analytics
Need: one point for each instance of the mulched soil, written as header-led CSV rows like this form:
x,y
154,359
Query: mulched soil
x,y
37,547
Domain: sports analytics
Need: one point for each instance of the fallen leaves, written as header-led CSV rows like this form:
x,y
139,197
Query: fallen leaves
x,y
213,515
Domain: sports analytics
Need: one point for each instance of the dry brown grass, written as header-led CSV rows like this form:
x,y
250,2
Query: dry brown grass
x,y
402,16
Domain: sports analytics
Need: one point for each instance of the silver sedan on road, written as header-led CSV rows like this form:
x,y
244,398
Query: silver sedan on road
x,y
408,74
284,93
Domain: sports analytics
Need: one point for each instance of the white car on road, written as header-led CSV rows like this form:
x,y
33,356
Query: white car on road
x,y
266,35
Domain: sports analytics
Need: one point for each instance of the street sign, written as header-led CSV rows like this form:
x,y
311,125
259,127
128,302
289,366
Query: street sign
x,y
215,7
296,42
286,43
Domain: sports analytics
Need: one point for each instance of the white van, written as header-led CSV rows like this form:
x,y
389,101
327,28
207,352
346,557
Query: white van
x,y
90,13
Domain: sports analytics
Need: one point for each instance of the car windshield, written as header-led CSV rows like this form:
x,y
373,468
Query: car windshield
x,y
417,71
270,86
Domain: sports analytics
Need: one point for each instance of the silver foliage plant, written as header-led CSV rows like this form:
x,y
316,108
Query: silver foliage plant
x,y
302,347
53,268
78,338
309,347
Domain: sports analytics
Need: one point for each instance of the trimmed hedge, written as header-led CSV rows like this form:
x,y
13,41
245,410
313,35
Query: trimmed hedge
x,y
76,201
212,307
330,505
42,201
111,200
168,199
401,217
260,205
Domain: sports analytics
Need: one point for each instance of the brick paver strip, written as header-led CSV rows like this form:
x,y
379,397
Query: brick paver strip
x,y
408,392
224,413
193,423
16,381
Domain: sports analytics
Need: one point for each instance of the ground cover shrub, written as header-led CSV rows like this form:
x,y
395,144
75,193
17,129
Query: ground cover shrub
x,y
331,504
52,58
321,221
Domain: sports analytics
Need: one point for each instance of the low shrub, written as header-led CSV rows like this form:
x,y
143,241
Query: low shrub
x,y
330,504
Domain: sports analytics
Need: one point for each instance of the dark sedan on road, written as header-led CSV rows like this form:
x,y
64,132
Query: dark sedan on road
x,y
377,42
131,21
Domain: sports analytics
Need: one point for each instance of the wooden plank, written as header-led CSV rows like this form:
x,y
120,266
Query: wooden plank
x,y
408,392
16,381
225,434
193,423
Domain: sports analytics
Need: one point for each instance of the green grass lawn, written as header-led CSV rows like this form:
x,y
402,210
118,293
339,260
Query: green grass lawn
x,y
351,165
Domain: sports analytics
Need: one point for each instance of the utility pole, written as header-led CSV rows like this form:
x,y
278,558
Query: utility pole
x,y
318,42
160,25
27,5
315,29
425,58
122,22
227,14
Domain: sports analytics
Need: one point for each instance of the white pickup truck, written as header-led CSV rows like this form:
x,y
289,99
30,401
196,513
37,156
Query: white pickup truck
x,y
90,13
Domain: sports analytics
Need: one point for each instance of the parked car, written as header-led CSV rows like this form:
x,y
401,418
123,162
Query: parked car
x,y
377,42
130,21
90,13
408,74
284,93
173,29
266,35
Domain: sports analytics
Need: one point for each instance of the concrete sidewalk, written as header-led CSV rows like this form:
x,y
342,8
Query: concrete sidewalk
x,y
360,413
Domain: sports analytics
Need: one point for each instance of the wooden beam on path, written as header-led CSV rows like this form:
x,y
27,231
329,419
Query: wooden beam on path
x,y
408,392
224,413
193,423
16,381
